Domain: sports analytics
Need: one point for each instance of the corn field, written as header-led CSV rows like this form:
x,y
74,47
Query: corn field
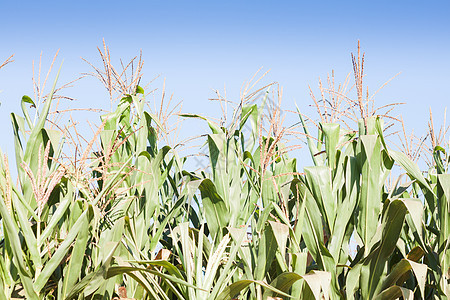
x,y
123,216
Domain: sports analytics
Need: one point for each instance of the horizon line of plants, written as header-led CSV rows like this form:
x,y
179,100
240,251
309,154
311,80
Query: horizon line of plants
x,y
124,218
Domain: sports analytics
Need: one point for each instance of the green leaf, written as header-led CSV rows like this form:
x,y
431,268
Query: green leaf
x,y
26,99
238,235
118,270
395,292
282,282
215,208
92,281
374,263
12,238
371,188
402,268
266,253
162,226
331,134
28,233
319,281
411,168
313,231
281,233
53,223
63,249
415,210
319,182
313,150
174,271
139,90
231,291
235,288
74,268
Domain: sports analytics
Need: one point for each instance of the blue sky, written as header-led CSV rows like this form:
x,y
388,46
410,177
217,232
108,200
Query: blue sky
x,y
203,45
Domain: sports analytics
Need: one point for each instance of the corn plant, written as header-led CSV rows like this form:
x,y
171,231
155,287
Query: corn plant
x,y
125,218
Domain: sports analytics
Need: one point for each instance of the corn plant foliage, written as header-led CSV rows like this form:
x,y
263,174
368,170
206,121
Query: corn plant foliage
x,y
131,221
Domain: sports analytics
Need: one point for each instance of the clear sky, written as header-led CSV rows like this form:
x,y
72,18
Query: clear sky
x,y
202,45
